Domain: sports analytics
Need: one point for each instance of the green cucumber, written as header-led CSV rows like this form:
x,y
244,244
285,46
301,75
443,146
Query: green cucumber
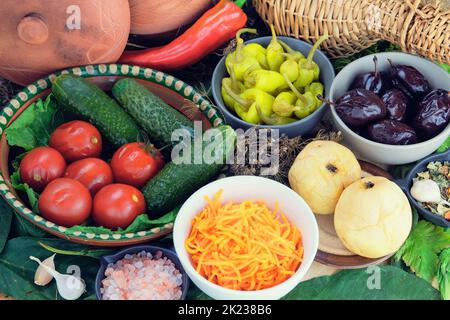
x,y
86,100
176,182
156,117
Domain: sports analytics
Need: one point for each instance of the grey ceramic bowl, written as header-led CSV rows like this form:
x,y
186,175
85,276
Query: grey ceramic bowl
x,y
170,254
301,127
406,185
385,153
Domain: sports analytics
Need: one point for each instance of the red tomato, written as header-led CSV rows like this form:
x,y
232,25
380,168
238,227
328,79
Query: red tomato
x,y
40,166
93,173
77,140
65,202
117,205
136,163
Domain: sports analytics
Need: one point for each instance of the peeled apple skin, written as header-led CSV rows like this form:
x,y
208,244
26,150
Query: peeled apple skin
x,y
373,221
310,175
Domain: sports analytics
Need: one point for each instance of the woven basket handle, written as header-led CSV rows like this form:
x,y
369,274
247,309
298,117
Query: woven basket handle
x,y
415,7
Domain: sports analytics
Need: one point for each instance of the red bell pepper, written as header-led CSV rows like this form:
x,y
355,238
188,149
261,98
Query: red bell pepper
x,y
218,25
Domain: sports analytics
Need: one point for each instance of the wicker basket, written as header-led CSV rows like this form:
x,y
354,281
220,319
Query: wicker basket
x,y
417,26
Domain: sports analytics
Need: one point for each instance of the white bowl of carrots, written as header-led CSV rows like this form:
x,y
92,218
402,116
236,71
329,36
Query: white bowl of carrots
x,y
246,238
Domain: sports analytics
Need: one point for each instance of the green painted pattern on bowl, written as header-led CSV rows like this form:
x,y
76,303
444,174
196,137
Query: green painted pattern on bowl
x,y
147,74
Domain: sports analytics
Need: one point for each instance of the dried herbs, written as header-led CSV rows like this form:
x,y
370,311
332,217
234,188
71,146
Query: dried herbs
x,y
438,172
282,149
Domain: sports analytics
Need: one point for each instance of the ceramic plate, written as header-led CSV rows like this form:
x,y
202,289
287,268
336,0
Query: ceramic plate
x,y
175,92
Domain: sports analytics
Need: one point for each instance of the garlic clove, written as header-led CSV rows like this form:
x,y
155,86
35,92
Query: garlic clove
x,y
426,191
69,287
50,269
42,277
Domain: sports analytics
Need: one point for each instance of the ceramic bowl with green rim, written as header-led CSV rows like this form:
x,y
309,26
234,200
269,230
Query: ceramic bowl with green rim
x,y
174,92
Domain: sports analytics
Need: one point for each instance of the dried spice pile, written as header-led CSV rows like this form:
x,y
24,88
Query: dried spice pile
x,y
287,151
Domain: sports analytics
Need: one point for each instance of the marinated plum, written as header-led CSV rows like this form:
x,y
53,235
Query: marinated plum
x,y
434,113
410,79
396,104
375,81
359,107
398,107
398,85
392,132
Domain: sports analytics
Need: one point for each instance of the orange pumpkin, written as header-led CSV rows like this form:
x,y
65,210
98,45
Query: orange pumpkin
x,y
38,37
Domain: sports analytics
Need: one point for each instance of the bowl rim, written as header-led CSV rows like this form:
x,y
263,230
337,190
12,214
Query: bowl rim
x,y
223,109
360,139
406,184
295,279
114,257
15,106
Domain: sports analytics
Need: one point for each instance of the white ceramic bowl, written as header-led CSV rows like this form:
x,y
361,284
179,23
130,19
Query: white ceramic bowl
x,y
241,188
378,152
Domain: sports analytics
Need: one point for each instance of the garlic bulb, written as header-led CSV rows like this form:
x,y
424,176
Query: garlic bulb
x,y
426,191
42,277
69,287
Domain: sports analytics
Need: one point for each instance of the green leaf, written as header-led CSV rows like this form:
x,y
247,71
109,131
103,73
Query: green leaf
x,y
6,216
240,3
141,223
20,186
195,293
445,146
17,270
381,46
22,227
85,252
400,172
421,249
34,126
394,284
415,217
443,274
446,67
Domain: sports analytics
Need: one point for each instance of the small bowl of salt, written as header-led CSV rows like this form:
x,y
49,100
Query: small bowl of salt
x,y
141,273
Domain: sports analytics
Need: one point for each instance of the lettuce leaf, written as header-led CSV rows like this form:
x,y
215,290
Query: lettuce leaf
x,y
141,223
33,127
21,226
32,195
30,130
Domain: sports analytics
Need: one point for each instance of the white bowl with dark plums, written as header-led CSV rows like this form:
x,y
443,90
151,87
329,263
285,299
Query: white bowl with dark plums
x,y
395,115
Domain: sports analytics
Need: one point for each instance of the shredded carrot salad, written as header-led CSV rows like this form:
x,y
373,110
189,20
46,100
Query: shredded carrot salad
x,y
244,246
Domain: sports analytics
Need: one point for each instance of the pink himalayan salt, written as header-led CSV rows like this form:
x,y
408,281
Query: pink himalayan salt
x,y
142,277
